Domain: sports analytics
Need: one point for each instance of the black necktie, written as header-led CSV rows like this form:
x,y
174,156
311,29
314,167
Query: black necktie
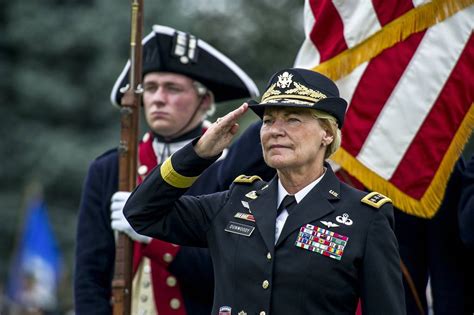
x,y
288,203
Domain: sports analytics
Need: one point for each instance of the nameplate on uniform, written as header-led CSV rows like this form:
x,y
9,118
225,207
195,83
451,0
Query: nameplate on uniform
x,y
321,241
244,216
239,228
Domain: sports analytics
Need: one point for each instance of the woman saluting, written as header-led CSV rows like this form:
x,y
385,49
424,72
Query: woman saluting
x,y
304,243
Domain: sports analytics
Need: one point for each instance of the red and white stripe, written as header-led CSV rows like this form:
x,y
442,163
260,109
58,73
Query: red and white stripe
x,y
407,103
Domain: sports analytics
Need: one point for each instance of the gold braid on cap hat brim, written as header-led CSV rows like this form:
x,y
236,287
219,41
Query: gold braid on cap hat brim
x,y
299,93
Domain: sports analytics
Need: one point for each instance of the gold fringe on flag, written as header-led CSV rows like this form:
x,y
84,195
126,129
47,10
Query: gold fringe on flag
x,y
428,205
414,21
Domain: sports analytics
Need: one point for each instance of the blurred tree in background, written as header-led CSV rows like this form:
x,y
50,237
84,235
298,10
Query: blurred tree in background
x,y
58,62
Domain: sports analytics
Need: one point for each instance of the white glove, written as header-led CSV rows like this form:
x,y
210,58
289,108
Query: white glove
x,y
118,221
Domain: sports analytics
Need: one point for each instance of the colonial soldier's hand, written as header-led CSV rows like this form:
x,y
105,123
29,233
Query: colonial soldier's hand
x,y
118,221
220,134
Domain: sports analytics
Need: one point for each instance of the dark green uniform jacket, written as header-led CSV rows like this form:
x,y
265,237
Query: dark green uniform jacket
x,y
336,247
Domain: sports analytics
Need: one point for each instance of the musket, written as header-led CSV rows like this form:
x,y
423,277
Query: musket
x,y
128,147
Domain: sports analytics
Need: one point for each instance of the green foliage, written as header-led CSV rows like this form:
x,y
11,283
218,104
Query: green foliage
x,y
58,62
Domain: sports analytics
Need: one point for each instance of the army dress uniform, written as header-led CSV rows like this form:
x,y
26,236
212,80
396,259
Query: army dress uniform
x,y
337,245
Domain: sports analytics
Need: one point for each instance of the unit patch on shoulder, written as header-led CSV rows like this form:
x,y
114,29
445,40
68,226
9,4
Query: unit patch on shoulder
x,y
244,179
375,199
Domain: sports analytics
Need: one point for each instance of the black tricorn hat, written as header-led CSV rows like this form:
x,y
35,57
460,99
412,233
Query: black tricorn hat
x,y
303,88
166,49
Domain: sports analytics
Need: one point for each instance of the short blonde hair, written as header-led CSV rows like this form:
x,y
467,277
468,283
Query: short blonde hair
x,y
328,123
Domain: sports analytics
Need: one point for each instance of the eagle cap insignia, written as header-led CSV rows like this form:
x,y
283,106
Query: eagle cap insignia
x,y
284,80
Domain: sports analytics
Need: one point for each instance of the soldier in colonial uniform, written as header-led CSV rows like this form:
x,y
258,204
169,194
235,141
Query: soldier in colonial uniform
x,y
303,243
183,76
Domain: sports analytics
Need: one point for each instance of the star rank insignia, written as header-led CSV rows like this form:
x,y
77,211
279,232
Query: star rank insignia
x,y
242,313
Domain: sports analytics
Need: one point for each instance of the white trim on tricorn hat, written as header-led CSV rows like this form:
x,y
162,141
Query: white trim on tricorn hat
x,y
246,81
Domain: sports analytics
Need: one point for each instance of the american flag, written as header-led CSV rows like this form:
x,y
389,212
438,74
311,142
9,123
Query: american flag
x,y
407,70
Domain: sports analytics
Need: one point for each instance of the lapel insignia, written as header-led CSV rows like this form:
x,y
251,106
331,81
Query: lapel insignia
x,y
252,195
335,194
344,219
242,313
329,224
321,241
244,216
239,228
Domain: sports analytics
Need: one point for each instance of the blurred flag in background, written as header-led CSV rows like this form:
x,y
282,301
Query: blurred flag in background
x,y
406,68
35,269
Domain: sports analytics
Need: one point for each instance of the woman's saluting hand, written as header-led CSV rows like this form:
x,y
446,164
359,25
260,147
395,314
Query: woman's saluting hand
x,y
220,134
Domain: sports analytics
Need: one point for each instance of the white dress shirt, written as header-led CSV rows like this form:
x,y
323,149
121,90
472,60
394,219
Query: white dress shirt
x,y
281,219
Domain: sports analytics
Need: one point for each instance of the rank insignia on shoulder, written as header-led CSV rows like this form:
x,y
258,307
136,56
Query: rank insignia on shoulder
x,y
375,199
244,179
252,195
